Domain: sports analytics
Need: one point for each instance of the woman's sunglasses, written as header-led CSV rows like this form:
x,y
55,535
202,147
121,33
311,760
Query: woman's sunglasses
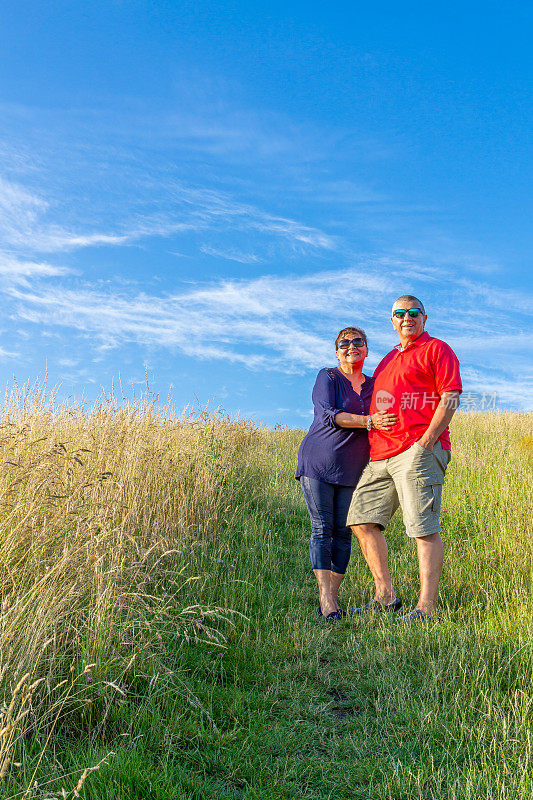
x,y
401,312
345,343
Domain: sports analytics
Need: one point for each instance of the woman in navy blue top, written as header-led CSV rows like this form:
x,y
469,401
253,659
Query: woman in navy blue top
x,y
331,459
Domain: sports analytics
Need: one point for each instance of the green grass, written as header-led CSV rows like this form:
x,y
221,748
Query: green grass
x,y
286,706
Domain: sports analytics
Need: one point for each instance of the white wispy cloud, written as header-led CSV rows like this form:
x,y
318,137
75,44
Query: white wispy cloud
x,y
27,222
293,231
8,354
273,323
509,300
68,362
515,392
24,224
15,268
231,255
230,312
217,208
18,204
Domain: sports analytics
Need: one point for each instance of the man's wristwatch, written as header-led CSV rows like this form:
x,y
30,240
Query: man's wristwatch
x,y
369,423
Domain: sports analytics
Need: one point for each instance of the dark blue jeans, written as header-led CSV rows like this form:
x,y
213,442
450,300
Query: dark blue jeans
x,y
331,539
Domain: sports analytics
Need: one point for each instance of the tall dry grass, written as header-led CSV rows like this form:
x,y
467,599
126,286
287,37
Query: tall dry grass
x,y
99,511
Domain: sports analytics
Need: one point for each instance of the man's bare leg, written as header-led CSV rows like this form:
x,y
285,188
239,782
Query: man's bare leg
x,y
328,602
430,558
376,554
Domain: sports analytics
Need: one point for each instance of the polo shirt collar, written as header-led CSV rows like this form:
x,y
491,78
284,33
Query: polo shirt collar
x,y
424,337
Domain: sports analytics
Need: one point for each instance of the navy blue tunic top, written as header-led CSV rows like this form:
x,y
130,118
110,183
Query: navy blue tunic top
x,y
330,453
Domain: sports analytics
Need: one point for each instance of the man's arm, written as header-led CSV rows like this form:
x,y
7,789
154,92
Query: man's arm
x,y
449,403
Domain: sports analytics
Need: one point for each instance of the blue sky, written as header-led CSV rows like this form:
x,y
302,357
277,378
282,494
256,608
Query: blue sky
x,y
207,192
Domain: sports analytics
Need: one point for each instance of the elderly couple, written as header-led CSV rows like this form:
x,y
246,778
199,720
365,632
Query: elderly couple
x,y
376,444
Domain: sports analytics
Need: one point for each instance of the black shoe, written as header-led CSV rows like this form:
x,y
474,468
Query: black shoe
x,y
417,616
335,616
375,607
343,614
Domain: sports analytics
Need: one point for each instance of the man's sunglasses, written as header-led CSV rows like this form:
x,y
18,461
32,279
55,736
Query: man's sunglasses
x,y
345,343
401,312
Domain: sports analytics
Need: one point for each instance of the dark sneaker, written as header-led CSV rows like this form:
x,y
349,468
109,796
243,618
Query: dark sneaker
x,y
341,611
335,616
375,607
417,616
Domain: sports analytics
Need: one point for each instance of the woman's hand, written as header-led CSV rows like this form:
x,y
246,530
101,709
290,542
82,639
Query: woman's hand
x,y
383,420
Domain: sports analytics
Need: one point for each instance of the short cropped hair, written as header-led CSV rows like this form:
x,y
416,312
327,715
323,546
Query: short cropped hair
x,y
346,331
410,298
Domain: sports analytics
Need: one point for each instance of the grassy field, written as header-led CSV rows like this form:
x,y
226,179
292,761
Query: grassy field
x,y
159,634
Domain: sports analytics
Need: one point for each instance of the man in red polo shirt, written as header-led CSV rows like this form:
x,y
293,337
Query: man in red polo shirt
x,y
419,381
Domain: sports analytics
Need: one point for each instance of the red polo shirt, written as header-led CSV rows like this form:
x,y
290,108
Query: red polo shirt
x,y
410,383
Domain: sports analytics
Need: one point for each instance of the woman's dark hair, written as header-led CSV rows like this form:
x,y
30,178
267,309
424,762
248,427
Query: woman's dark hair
x,y
342,334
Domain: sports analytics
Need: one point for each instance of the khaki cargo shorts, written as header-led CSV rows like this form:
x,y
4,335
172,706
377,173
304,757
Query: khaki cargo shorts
x,y
412,479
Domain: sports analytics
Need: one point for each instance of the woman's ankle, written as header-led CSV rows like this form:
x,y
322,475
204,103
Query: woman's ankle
x,y
328,605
